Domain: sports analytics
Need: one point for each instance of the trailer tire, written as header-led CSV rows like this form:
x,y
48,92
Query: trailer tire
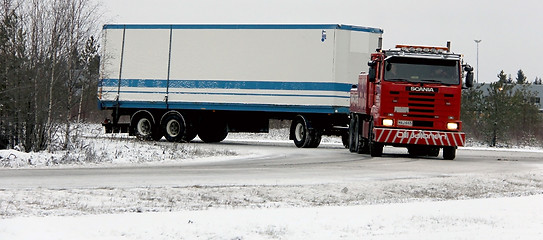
x,y
190,134
173,127
449,153
345,140
300,133
145,127
213,131
315,139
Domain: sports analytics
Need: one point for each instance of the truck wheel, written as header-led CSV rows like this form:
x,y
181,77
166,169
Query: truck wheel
x,y
449,153
213,131
353,134
433,151
173,127
376,149
415,151
144,127
300,133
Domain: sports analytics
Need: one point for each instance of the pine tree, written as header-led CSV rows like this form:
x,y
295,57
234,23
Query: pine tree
x,y
521,78
502,77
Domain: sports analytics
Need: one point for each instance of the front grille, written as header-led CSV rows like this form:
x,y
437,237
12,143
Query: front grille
x,y
421,106
422,99
421,94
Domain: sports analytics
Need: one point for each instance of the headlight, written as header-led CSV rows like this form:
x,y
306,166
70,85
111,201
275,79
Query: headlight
x,y
388,122
452,126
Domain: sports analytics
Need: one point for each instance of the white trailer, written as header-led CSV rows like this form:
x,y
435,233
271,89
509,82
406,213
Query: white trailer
x,y
177,81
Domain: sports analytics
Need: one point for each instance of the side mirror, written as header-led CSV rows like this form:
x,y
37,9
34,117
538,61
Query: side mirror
x,y
469,79
469,75
372,74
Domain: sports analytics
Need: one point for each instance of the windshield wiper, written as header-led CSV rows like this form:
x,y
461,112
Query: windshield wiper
x,y
430,80
398,80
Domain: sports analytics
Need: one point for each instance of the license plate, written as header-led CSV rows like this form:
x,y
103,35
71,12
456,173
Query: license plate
x,y
405,123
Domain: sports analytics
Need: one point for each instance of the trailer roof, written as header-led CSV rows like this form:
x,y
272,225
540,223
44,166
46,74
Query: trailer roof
x,y
244,26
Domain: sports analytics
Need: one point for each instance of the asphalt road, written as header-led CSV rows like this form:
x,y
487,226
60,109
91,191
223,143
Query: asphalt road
x,y
273,164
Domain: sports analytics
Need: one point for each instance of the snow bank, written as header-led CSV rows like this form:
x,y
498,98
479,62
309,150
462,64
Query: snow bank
x,y
93,146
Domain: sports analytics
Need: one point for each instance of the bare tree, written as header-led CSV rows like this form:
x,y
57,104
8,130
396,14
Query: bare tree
x,y
41,67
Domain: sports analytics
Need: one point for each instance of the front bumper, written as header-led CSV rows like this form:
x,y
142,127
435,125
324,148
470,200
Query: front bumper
x,y
419,137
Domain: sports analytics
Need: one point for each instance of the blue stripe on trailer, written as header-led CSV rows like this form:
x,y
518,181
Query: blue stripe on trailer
x,y
238,94
225,84
227,107
243,26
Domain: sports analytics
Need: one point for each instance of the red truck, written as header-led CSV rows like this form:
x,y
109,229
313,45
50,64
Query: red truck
x,y
411,98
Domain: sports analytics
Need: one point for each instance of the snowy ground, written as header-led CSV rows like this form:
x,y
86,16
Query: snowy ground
x,y
500,218
484,206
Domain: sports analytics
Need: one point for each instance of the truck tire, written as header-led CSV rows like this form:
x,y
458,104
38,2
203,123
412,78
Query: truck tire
x,y
449,153
359,143
353,134
433,151
302,135
376,149
144,127
173,127
213,131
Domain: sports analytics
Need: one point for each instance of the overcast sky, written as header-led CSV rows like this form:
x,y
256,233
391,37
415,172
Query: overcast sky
x,y
511,31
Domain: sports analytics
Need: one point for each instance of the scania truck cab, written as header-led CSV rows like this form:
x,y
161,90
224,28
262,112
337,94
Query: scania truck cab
x,y
410,97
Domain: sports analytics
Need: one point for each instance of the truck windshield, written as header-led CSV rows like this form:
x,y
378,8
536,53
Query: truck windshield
x,y
422,70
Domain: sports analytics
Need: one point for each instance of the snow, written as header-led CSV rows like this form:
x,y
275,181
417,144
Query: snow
x,y
498,218
500,206
94,147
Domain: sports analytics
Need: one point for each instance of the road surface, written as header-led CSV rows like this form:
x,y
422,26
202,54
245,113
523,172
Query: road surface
x,y
277,163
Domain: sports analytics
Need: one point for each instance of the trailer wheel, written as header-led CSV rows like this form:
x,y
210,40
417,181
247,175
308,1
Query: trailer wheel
x,y
173,126
315,139
345,140
144,127
213,131
301,134
190,134
449,153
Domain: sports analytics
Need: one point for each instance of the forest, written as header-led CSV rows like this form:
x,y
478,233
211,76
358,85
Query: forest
x,y
503,113
49,64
